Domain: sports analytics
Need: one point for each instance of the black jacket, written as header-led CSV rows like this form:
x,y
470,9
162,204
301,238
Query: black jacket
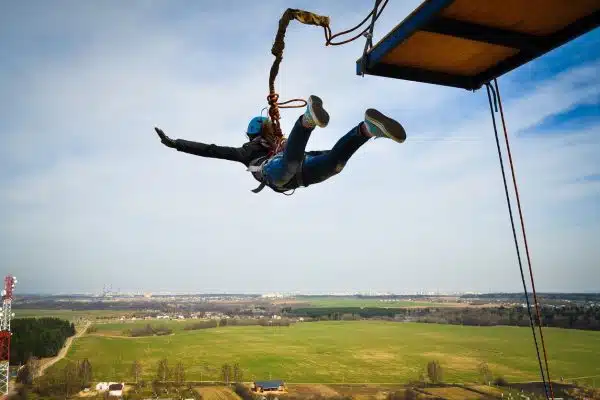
x,y
252,152
249,151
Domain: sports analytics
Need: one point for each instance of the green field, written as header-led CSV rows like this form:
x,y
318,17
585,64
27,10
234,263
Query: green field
x,y
327,352
70,315
357,302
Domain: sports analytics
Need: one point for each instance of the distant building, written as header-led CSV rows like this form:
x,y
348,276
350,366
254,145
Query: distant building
x,y
116,389
268,386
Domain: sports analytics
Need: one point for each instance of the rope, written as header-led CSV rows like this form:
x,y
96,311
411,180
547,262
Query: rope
x,y
329,37
277,50
369,41
490,92
307,18
535,298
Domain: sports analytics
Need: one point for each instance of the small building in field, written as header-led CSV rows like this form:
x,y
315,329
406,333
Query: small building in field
x,y
116,390
115,387
268,386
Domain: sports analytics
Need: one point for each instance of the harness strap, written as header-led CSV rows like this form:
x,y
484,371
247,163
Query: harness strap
x,y
255,168
263,182
260,187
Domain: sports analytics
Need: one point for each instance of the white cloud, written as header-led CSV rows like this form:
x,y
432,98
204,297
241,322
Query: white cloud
x,y
97,199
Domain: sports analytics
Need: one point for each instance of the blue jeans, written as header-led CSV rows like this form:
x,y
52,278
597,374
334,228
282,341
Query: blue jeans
x,y
317,166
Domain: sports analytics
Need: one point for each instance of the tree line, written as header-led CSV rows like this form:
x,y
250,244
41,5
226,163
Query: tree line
x,y
55,383
236,322
544,297
168,380
570,317
38,337
150,330
138,310
75,376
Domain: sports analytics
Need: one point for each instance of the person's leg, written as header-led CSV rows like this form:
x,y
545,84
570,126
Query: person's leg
x,y
320,167
281,168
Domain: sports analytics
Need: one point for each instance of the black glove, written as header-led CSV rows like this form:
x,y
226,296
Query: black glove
x,y
167,141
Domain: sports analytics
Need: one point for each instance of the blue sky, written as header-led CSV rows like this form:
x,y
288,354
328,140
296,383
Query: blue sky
x,y
89,196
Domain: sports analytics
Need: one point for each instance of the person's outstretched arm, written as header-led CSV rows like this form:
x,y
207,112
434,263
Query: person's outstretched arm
x,y
243,154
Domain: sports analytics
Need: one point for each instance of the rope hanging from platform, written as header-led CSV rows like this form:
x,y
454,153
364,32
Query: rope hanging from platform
x,y
495,95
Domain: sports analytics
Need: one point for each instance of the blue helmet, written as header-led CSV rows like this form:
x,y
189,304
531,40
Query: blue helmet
x,y
255,126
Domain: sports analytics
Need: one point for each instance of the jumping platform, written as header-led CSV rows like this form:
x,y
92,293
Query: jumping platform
x,y
467,43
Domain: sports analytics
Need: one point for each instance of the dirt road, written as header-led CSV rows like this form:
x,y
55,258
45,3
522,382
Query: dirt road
x,y
47,363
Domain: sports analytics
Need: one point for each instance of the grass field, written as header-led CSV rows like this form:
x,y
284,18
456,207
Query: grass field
x,y
356,302
358,392
70,315
217,393
351,352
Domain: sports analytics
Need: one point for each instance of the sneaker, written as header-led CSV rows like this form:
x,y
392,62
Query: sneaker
x,y
315,114
381,126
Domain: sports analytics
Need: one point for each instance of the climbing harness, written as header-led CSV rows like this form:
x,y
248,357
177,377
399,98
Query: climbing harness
x,y
494,94
256,168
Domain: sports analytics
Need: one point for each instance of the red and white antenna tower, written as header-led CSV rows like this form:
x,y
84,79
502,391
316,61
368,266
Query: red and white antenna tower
x,y
7,294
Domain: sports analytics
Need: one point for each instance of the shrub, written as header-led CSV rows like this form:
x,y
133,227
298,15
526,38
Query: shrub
x,y
500,381
434,371
201,325
150,330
